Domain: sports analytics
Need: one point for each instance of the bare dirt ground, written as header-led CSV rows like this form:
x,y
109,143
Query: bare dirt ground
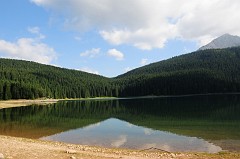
x,y
27,102
24,102
21,148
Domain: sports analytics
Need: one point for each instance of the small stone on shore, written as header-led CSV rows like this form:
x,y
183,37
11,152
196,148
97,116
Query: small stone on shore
x,y
72,157
71,151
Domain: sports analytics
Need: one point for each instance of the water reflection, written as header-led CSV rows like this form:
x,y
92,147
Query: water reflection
x,y
116,133
174,124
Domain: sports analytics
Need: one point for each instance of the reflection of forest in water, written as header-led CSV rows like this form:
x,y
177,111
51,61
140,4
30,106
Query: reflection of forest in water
x,y
208,117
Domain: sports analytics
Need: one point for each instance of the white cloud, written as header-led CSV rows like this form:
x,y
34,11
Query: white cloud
x,y
148,131
205,20
28,49
116,54
128,69
152,22
120,141
144,62
89,70
32,49
36,30
143,38
77,38
91,53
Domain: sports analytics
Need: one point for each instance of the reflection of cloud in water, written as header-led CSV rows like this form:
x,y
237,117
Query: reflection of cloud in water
x,y
214,149
120,141
130,125
92,126
148,131
166,147
117,133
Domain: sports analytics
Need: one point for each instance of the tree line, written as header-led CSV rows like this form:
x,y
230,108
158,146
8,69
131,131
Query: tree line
x,y
205,71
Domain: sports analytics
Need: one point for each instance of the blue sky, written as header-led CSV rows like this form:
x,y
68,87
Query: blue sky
x,y
110,37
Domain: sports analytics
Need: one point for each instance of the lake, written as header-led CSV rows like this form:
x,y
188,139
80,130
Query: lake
x,y
176,124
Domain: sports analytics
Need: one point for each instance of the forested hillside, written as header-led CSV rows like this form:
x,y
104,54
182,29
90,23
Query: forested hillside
x,y
206,71
23,79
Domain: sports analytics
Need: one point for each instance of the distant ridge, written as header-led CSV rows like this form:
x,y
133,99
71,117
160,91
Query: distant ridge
x,y
224,41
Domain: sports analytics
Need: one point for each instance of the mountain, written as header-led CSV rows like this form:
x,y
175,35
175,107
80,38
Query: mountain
x,y
200,72
29,80
203,71
224,41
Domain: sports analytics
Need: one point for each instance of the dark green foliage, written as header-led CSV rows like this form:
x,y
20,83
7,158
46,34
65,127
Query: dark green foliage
x,y
208,71
30,80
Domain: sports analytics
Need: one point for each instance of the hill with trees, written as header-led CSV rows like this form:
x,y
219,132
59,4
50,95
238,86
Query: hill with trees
x,y
30,80
203,71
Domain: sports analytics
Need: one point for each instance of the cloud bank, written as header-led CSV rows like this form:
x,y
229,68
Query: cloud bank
x,y
148,24
32,49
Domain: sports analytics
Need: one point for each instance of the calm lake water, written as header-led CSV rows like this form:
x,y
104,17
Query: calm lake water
x,y
200,123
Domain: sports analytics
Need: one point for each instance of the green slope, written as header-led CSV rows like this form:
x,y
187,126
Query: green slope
x,y
208,71
23,79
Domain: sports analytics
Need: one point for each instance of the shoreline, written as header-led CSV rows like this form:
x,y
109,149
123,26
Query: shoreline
x,y
26,102
22,148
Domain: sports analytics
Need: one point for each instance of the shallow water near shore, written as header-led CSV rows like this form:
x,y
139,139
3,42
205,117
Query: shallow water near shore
x,y
200,124
116,133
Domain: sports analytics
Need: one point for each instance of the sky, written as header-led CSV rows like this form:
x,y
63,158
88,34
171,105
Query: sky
x,y
111,37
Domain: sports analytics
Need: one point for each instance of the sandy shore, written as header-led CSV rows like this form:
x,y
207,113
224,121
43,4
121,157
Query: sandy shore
x,y
24,102
21,148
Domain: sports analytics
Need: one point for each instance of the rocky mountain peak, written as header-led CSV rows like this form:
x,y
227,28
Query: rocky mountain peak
x,y
224,41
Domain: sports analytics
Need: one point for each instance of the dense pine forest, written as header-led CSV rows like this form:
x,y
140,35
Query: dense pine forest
x,y
205,71
30,80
